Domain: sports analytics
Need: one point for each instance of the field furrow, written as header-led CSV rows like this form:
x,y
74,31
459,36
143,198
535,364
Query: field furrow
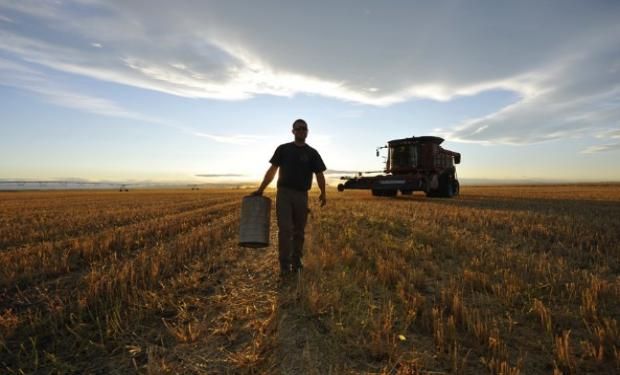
x,y
39,262
107,289
19,229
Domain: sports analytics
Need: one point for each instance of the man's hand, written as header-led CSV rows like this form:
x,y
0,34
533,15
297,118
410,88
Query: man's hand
x,y
323,199
271,172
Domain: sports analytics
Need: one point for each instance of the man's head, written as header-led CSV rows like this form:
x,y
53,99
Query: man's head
x,y
300,130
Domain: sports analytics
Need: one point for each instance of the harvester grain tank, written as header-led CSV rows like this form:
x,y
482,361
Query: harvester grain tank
x,y
413,164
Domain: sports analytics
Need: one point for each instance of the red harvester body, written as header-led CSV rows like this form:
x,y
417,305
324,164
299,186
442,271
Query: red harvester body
x,y
413,164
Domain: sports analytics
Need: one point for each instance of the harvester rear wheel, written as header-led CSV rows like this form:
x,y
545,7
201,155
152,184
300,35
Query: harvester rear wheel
x,y
446,188
456,187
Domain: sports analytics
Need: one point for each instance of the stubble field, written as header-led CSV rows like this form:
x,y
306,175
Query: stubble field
x,y
500,280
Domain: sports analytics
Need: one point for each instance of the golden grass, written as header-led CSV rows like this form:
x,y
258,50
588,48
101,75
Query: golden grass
x,y
501,280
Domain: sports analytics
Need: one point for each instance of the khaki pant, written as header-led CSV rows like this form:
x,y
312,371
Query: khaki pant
x,y
292,211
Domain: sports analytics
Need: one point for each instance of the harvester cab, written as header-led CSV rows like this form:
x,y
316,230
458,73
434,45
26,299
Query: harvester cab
x,y
412,164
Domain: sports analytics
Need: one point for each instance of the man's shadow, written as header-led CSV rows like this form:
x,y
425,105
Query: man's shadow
x,y
299,333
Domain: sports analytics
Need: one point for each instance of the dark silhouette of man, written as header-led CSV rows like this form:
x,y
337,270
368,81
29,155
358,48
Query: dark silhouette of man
x,y
297,162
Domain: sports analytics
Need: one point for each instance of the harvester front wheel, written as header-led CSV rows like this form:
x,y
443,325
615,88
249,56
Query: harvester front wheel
x,y
446,188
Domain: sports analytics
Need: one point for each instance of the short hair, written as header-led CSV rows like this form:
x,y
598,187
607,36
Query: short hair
x,y
300,122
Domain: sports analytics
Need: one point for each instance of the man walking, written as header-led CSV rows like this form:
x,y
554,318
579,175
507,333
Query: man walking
x,y
297,162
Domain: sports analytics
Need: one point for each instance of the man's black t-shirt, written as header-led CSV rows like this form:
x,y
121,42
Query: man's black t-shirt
x,y
297,163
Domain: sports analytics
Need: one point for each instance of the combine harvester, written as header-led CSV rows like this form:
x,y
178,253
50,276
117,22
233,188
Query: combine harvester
x,y
413,164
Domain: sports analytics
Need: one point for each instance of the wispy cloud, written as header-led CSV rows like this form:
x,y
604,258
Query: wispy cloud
x,y
568,99
614,134
239,139
602,148
425,50
24,78
42,9
6,19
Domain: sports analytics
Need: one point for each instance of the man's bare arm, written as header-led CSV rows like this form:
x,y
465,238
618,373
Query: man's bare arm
x,y
269,175
320,179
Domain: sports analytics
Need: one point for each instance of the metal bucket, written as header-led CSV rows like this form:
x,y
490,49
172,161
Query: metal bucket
x,y
255,221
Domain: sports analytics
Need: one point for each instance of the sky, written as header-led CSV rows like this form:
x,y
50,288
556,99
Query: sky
x,y
166,90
